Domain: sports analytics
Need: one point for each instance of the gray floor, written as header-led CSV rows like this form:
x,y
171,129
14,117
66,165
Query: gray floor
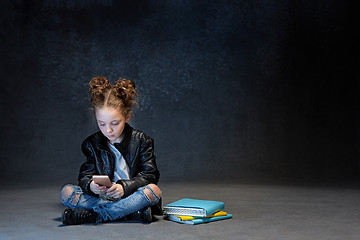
x,y
260,212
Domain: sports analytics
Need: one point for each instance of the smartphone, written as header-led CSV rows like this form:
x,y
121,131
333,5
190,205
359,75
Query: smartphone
x,y
102,180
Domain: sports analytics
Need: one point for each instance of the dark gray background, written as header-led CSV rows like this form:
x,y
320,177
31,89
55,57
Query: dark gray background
x,y
248,90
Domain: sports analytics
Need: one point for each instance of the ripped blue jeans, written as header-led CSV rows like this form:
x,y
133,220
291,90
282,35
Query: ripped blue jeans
x,y
109,209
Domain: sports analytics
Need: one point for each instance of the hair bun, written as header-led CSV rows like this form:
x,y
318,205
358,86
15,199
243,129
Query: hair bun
x,y
98,85
120,96
125,89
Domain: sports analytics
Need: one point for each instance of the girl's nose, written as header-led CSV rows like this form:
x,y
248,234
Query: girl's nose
x,y
109,130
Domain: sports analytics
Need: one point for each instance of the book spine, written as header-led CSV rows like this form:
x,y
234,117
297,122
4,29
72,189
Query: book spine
x,y
220,206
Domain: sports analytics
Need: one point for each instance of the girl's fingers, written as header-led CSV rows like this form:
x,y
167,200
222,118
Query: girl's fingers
x,y
102,189
110,193
113,193
111,189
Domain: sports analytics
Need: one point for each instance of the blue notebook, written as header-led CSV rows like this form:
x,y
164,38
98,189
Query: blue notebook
x,y
193,207
200,220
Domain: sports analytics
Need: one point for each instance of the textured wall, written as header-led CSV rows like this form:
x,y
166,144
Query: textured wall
x,y
228,89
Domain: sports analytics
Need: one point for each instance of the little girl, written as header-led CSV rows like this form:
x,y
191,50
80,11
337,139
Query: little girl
x,y
124,154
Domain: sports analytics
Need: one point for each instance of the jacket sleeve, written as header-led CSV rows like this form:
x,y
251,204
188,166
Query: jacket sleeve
x,y
147,171
87,169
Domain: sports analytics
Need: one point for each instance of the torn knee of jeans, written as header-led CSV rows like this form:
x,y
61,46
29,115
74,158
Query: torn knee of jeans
x,y
67,193
75,199
149,195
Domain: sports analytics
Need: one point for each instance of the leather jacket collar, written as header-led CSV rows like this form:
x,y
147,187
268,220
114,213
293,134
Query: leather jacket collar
x,y
102,141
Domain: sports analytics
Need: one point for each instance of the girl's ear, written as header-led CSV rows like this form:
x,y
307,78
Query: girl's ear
x,y
127,119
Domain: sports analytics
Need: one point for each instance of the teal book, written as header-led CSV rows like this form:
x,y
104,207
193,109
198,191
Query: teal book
x,y
193,207
200,220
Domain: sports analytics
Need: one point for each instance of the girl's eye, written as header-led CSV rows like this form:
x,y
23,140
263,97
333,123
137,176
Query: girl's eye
x,y
116,123
102,125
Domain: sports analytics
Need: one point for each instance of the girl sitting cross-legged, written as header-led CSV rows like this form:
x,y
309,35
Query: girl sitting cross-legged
x,y
124,154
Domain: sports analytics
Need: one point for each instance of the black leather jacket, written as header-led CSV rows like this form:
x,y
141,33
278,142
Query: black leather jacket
x,y
138,151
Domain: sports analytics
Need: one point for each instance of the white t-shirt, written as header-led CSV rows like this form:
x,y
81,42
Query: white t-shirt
x,y
121,170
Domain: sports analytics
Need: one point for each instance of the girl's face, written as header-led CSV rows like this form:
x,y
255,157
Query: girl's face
x,y
111,123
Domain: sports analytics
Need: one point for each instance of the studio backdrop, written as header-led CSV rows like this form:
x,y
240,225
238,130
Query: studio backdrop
x,y
246,90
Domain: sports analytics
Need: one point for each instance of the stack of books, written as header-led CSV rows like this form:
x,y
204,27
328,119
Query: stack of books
x,y
195,211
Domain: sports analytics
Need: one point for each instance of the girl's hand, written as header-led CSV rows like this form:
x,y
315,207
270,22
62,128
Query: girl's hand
x,y
116,191
97,189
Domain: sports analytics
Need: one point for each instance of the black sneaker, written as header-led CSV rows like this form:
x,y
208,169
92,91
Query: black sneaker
x,y
143,215
78,216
